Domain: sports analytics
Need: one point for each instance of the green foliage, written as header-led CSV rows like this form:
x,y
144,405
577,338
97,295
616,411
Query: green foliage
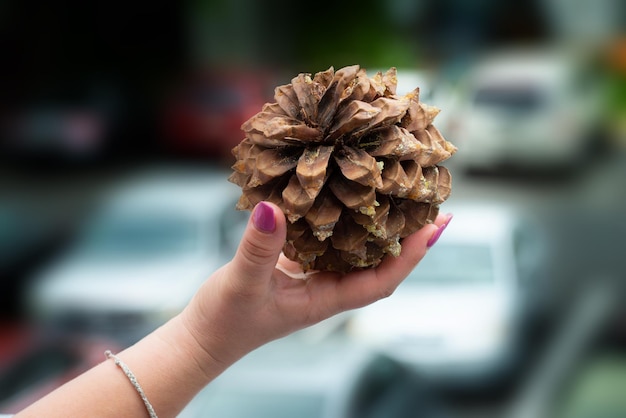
x,y
303,37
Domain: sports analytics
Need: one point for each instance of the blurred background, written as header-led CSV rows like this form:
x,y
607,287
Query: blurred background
x,y
116,124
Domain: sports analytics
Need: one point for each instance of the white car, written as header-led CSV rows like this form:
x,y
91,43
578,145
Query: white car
x,y
457,317
143,255
526,109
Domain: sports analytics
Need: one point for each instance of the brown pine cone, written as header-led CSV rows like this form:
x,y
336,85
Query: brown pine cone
x,y
353,166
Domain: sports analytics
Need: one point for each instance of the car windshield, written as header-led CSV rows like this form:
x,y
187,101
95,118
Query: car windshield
x,y
141,234
264,405
519,99
454,264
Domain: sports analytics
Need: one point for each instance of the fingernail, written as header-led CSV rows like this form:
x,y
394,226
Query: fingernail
x,y
433,240
263,217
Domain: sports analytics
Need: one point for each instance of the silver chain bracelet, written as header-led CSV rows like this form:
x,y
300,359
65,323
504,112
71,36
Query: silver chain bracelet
x,y
133,380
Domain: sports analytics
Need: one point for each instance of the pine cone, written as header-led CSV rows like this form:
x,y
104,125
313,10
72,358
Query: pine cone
x,y
352,165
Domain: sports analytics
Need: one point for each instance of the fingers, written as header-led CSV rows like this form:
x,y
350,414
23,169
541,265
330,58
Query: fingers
x,y
260,245
361,288
441,227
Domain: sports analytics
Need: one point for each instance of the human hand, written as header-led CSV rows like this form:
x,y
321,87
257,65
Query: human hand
x,y
261,295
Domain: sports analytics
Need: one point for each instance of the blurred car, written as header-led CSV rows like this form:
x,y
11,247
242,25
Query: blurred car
x,y
57,131
26,240
526,109
140,259
67,124
332,379
33,364
458,317
204,116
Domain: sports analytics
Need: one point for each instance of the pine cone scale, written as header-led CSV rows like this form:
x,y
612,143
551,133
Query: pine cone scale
x,y
296,200
356,115
353,195
323,216
332,96
311,168
272,163
287,100
359,166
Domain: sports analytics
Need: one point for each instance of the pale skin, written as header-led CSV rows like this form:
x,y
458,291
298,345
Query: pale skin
x,y
249,302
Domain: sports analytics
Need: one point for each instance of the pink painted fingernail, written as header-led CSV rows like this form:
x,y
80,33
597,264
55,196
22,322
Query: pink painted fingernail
x,y
263,217
433,240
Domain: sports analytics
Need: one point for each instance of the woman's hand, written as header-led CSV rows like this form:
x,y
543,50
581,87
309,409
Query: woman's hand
x,y
261,295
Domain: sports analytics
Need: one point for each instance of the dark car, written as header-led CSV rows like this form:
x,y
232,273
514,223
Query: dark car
x,y
204,115
33,363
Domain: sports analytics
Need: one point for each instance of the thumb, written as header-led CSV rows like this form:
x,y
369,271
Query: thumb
x,y
261,244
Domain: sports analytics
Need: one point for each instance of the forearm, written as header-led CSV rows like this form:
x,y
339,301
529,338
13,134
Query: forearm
x,y
168,364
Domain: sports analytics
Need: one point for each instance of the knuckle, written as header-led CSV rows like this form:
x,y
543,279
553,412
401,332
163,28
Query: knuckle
x,y
255,251
386,291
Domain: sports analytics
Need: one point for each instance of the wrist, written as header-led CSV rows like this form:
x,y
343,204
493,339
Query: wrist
x,y
184,340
